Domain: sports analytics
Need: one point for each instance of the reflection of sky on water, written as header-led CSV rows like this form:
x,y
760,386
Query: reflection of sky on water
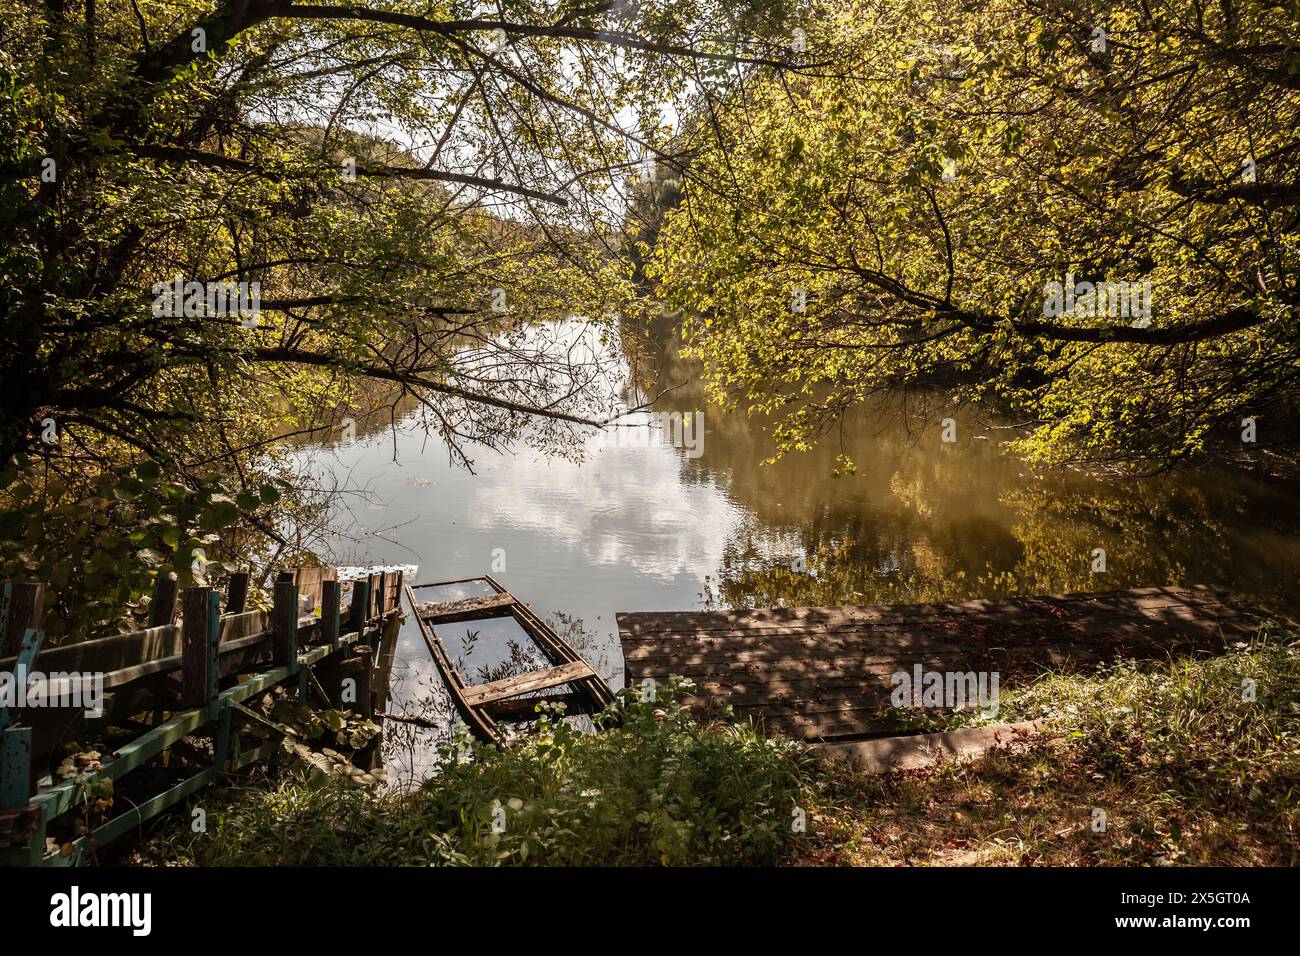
x,y
623,530
642,528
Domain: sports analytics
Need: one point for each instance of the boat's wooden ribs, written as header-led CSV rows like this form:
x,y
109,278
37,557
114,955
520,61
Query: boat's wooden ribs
x,y
481,706
466,609
525,708
479,694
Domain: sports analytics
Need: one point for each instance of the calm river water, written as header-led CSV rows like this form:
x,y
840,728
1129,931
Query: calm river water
x,y
656,527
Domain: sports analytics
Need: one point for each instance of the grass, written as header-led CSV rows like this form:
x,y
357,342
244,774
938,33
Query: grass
x,y
659,789
1184,766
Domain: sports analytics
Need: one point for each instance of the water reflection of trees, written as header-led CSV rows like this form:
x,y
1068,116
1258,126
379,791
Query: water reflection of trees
x,y
1151,536
922,520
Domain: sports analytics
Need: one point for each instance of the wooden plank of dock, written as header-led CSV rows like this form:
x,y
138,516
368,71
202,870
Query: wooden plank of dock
x,y
824,673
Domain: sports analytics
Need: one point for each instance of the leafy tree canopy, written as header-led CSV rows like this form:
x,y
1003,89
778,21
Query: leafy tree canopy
x,y
898,216
406,185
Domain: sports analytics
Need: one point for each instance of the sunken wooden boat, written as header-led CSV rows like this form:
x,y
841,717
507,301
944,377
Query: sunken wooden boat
x,y
487,707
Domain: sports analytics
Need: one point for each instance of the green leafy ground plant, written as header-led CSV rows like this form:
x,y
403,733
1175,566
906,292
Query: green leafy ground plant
x,y
658,788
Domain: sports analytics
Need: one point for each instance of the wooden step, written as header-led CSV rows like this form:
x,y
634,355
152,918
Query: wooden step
x,y
468,609
524,708
476,695
917,751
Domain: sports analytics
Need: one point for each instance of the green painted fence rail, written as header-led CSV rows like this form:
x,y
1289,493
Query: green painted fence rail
x,y
248,651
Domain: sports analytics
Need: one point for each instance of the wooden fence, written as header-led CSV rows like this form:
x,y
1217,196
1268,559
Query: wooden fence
x,y
175,680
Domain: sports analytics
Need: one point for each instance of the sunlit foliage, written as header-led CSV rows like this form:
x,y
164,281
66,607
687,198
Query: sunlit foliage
x,y
897,218
408,185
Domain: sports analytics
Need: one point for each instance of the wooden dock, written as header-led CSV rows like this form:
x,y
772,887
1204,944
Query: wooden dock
x,y
824,673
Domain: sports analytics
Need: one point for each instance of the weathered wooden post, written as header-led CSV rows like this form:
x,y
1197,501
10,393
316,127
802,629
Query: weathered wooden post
x,y
200,647
238,593
360,603
15,767
328,669
22,831
162,608
329,611
376,585
284,625
26,609
368,757
387,647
